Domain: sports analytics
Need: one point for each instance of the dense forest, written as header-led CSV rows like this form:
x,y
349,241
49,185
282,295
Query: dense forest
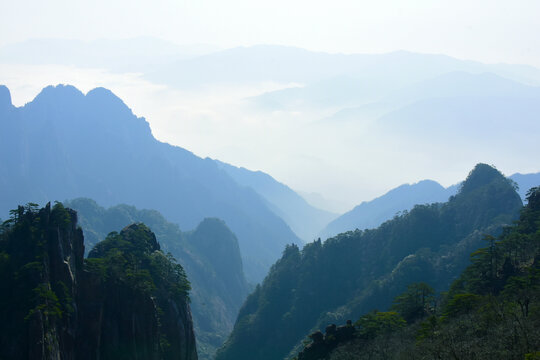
x,y
354,272
492,311
128,300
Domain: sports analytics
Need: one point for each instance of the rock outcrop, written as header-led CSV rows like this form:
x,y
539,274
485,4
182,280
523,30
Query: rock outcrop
x,y
121,304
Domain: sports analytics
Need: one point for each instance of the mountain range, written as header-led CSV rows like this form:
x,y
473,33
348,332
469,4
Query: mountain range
x,y
304,219
355,272
371,214
93,146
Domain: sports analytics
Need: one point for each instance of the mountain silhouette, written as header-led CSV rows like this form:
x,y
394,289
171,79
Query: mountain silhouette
x,y
65,144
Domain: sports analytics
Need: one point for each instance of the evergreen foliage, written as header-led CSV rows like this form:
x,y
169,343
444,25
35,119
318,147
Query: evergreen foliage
x,y
492,311
57,305
28,290
354,272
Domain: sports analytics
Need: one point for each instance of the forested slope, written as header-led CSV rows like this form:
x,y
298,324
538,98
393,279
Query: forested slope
x,y
492,311
354,272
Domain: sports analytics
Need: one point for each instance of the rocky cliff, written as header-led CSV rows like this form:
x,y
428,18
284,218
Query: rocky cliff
x,y
129,301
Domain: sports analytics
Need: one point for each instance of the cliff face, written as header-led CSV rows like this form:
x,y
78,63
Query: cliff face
x,y
122,304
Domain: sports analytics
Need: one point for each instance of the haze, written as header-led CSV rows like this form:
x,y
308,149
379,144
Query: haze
x,y
348,130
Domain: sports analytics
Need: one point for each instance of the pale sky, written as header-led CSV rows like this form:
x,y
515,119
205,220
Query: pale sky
x,y
484,30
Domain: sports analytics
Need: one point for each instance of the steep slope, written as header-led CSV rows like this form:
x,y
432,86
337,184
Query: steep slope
x,y
65,144
128,301
209,254
356,271
490,312
371,214
304,219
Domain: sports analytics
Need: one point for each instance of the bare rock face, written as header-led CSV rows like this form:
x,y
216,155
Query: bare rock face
x,y
57,306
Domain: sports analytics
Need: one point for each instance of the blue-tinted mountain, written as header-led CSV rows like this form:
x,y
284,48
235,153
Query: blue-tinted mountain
x,y
304,219
357,271
65,144
525,182
209,254
371,214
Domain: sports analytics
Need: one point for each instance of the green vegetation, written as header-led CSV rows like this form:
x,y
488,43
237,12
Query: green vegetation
x,y
209,254
132,258
355,272
492,311
31,293
127,298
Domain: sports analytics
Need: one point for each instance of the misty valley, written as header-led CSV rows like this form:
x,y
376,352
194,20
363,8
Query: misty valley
x,y
115,244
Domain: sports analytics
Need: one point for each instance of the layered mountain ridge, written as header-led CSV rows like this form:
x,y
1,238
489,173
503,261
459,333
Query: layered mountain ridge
x,y
354,272
371,214
209,254
93,146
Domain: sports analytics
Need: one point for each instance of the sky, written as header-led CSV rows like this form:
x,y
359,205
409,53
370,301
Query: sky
x,y
485,30
215,123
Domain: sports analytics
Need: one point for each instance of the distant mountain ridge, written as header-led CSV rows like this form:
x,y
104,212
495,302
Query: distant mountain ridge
x,y
93,146
304,219
371,214
355,272
289,64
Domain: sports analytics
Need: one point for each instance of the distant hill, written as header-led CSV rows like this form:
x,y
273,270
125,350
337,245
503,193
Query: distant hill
x,y
448,85
371,214
352,273
209,254
260,63
526,182
65,144
304,219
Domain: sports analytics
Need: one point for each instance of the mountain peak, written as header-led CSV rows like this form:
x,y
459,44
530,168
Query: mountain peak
x,y
482,174
206,232
59,94
5,97
140,235
104,94
107,100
